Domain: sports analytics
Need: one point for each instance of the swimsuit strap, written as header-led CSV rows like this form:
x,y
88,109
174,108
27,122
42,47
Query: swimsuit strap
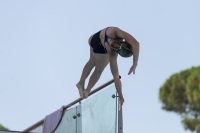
x,y
106,37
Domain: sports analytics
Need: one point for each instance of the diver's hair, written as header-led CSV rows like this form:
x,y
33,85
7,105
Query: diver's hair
x,y
115,47
122,48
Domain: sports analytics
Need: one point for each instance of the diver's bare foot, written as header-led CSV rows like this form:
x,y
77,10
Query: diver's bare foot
x,y
85,93
80,89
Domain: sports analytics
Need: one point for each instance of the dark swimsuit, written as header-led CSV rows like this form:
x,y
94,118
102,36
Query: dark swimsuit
x,y
96,43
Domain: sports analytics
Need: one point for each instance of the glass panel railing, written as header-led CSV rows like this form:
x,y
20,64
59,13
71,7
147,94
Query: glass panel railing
x,y
102,102
68,122
38,129
99,113
79,119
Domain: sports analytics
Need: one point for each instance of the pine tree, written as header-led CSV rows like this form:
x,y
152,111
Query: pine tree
x,y
181,94
2,127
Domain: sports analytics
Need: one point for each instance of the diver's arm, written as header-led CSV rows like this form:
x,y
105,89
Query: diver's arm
x,y
115,73
135,47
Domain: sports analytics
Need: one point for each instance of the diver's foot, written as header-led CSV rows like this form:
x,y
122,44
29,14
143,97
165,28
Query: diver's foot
x,y
80,89
85,93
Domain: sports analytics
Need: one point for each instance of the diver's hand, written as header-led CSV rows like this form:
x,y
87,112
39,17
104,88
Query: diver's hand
x,y
121,101
132,69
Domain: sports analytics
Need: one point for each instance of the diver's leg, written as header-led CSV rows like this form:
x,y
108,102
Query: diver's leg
x,y
101,61
86,71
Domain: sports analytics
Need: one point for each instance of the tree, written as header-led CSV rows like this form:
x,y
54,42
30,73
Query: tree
x,y
181,94
2,127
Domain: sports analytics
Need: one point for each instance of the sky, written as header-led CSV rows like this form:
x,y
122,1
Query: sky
x,y
44,47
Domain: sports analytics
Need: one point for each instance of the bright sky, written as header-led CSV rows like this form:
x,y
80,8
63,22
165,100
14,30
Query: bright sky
x,y
44,47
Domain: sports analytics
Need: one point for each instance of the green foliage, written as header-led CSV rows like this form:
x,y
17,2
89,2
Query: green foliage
x,y
197,127
181,94
192,124
172,93
193,88
2,127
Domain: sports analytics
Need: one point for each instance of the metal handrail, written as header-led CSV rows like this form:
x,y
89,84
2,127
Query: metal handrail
x,y
39,123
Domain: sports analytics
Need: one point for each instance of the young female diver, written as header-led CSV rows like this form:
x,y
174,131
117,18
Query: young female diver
x,y
105,46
